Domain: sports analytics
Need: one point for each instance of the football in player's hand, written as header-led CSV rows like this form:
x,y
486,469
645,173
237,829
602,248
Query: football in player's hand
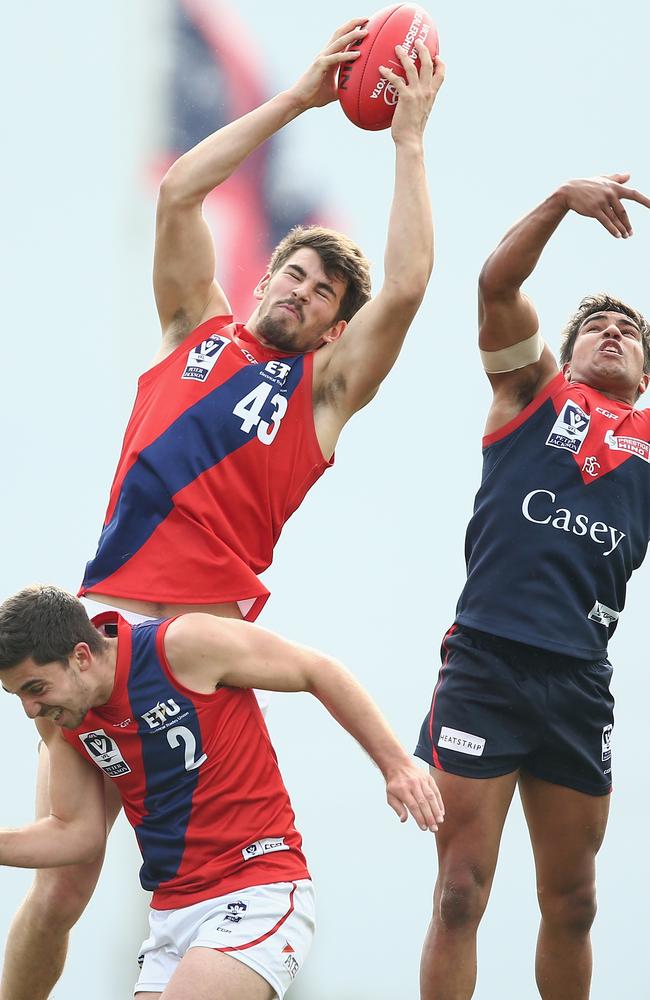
x,y
365,95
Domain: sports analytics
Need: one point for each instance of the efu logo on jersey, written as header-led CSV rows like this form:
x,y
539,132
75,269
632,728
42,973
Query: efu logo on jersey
x,y
202,358
570,429
159,714
104,751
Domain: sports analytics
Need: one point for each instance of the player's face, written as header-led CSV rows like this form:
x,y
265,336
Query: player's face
x,y
608,355
299,306
52,691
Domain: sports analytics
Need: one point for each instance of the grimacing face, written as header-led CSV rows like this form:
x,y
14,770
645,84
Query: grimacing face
x,y
299,305
53,691
608,355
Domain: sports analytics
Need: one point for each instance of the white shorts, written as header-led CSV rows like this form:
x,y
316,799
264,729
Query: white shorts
x,y
267,927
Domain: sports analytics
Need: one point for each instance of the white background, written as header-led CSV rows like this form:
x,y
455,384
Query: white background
x,y
371,566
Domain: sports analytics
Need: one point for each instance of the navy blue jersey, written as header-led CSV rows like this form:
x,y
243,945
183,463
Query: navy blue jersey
x,y
197,774
561,520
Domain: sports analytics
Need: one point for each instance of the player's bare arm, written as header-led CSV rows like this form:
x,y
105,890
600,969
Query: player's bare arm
x,y
184,261
348,372
508,322
75,830
205,652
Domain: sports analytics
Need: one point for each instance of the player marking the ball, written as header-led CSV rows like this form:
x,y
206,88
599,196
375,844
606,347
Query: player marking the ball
x,y
234,423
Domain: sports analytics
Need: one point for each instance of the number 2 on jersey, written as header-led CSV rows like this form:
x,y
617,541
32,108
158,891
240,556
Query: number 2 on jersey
x,y
249,411
181,734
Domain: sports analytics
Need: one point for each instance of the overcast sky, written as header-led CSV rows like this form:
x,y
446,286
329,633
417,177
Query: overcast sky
x,y
371,566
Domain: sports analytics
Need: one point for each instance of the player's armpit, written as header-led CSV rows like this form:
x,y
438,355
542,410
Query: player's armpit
x,y
513,391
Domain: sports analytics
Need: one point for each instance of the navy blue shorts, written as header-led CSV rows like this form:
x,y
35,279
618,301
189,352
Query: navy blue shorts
x,y
500,706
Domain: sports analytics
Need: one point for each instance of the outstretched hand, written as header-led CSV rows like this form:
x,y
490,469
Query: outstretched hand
x,y
601,198
409,789
317,86
416,93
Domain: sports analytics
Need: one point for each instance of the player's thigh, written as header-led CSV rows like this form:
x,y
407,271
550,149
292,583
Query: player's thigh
x,y
475,811
566,827
205,974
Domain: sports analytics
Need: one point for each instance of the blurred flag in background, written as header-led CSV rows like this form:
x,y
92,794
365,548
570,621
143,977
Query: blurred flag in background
x,y
215,76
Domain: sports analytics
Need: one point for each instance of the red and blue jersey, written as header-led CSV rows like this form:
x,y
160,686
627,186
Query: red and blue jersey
x,y
220,450
197,774
561,520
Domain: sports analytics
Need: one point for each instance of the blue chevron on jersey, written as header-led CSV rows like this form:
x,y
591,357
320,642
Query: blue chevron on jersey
x,y
186,449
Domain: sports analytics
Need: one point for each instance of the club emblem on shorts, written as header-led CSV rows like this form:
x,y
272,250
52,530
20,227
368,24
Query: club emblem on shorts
x,y
455,739
236,911
104,751
570,429
202,358
606,742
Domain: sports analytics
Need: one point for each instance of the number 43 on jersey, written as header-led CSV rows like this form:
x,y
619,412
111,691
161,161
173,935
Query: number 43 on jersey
x,y
249,410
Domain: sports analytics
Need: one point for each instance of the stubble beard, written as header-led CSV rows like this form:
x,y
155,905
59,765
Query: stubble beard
x,y
275,333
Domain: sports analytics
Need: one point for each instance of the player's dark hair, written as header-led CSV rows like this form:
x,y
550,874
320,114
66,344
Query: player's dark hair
x,y
44,623
341,259
603,303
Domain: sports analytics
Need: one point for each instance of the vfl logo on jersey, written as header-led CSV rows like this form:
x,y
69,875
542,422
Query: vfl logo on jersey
x,y
276,371
633,446
104,751
201,359
570,428
158,715
603,615
606,742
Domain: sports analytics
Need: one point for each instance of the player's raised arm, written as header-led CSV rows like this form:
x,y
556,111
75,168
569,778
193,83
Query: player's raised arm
x,y
356,364
513,353
205,652
184,263
75,830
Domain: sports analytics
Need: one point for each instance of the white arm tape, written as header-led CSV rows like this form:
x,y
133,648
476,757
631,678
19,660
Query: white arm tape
x,y
509,359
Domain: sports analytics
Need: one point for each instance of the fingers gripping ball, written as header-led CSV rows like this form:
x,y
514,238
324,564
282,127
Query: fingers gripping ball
x,y
365,95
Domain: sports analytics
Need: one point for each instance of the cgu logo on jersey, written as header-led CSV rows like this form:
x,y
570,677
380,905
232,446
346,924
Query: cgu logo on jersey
x,y
158,715
633,446
104,751
202,358
570,429
276,371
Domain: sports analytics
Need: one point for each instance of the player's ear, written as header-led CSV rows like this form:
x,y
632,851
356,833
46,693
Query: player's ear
x,y
261,285
643,384
566,371
335,332
82,655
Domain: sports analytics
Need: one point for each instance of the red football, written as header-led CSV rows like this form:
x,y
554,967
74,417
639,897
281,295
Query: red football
x,y
365,95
